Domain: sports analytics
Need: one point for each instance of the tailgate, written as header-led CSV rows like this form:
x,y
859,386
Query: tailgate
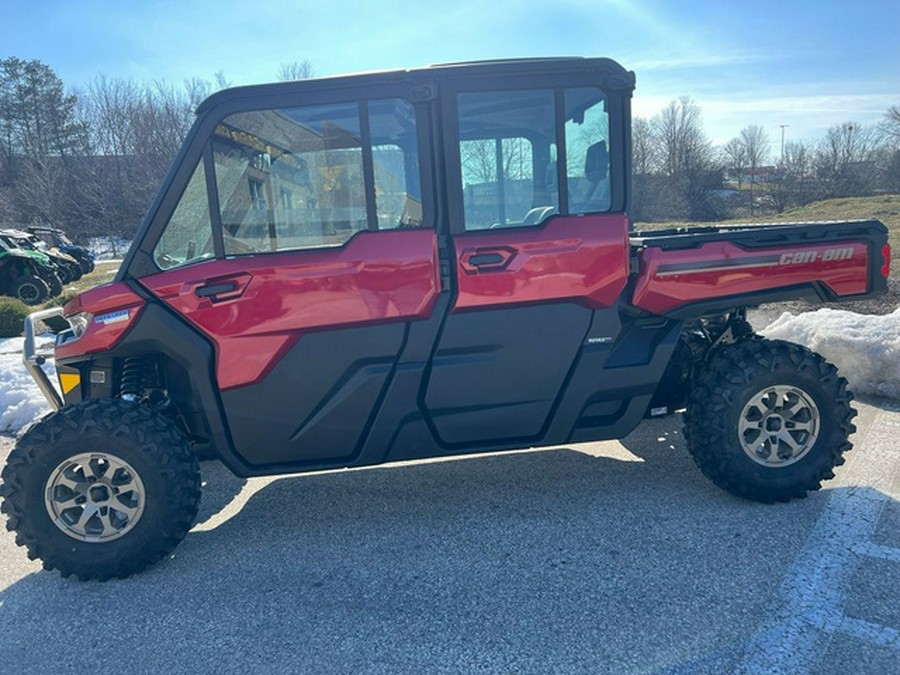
x,y
685,273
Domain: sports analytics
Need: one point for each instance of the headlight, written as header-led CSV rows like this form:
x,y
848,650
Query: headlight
x,y
79,323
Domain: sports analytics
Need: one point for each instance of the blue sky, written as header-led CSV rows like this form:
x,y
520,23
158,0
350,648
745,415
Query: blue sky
x,y
809,65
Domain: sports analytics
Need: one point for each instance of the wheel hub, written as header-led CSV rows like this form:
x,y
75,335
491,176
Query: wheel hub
x,y
779,425
94,497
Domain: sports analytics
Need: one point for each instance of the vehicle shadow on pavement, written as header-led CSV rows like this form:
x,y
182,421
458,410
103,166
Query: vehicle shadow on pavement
x,y
562,559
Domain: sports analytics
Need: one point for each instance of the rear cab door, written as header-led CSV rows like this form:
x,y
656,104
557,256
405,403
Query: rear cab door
x,y
536,199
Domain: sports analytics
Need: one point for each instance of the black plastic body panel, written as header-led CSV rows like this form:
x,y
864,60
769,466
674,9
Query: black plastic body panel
x,y
315,406
510,362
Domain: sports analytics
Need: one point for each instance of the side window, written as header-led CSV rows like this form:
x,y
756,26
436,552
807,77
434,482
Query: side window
x,y
395,161
587,150
188,234
294,178
506,143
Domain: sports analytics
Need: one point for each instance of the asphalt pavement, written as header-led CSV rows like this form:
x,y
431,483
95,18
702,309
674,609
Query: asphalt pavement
x,y
614,557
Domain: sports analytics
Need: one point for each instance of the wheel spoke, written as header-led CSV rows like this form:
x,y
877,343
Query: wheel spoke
x,y
89,511
108,527
786,437
124,509
760,446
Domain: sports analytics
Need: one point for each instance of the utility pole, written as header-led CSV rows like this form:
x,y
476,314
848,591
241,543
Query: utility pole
x,y
783,127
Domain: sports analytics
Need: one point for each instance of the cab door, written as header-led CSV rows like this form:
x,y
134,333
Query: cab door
x,y
539,248
301,247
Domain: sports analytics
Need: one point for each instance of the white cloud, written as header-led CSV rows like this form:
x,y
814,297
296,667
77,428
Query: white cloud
x,y
807,116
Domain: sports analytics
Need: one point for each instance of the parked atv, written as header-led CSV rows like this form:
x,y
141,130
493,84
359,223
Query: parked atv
x,y
20,276
67,268
55,237
342,272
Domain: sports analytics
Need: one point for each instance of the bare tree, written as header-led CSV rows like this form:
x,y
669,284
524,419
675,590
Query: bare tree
x,y
135,131
890,125
756,150
888,154
794,184
295,70
844,162
644,162
735,155
686,159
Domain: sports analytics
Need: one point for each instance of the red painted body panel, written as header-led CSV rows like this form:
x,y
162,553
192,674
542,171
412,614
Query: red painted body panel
x,y
583,258
375,277
670,279
100,335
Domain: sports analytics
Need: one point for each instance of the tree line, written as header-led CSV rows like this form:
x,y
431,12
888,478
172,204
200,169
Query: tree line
x,y
680,175
90,161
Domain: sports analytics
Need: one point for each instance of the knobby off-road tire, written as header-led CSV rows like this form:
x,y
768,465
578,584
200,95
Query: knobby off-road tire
x,y
768,420
30,289
101,489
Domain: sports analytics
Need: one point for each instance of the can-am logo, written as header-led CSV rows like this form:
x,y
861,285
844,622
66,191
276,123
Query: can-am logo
x,y
828,254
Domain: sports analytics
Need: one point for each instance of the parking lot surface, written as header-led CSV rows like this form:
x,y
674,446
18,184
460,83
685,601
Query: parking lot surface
x,y
614,557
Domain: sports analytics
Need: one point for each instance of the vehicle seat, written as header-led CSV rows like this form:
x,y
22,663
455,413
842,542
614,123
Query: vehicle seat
x,y
538,215
596,170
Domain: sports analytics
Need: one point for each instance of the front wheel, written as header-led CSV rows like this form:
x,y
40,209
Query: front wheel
x,y
768,420
101,489
30,289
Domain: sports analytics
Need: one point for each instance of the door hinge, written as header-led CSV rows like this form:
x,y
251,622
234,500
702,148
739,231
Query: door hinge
x,y
445,258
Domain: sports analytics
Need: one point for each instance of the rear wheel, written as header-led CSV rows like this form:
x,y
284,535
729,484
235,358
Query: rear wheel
x,y
768,420
30,289
101,489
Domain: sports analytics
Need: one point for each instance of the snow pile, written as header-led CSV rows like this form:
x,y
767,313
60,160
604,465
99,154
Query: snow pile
x,y
108,248
21,401
865,348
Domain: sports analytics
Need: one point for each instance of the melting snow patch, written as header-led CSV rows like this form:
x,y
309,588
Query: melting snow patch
x,y
865,348
21,402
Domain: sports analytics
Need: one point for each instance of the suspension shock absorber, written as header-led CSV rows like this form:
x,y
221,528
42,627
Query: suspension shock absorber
x,y
132,381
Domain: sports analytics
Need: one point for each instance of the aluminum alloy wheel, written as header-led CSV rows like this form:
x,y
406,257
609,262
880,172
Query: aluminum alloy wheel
x,y
779,426
95,497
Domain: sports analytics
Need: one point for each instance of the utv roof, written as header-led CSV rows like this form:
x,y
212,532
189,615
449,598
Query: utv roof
x,y
18,234
615,75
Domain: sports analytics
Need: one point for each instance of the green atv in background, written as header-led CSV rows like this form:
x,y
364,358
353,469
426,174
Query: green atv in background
x,y
67,268
21,274
56,238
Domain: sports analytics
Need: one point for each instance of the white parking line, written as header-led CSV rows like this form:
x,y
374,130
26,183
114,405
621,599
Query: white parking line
x,y
877,551
873,633
810,602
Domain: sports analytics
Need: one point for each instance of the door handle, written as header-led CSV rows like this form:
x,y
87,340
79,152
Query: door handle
x,y
215,289
222,288
484,259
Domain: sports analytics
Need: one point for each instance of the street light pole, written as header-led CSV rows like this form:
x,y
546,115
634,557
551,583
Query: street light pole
x,y
783,127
